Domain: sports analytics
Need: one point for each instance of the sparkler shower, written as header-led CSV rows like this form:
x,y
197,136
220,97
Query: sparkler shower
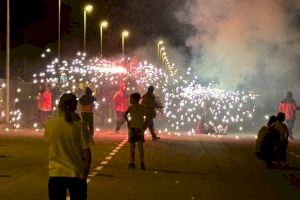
x,y
186,101
239,59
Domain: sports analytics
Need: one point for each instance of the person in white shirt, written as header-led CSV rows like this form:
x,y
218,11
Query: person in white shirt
x,y
136,121
70,154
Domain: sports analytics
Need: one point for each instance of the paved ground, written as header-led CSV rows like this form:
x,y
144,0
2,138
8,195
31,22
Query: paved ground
x,y
177,167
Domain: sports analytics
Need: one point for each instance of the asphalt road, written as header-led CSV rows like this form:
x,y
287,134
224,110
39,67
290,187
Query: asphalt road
x,y
177,167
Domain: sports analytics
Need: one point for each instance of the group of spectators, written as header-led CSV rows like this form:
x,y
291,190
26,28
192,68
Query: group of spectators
x,y
272,140
70,135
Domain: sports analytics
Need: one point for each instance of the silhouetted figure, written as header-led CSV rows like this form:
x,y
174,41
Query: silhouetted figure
x,y
151,103
87,104
70,154
283,133
289,107
120,98
135,117
266,143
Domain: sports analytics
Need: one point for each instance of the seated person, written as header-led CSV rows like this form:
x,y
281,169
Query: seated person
x,y
264,142
282,134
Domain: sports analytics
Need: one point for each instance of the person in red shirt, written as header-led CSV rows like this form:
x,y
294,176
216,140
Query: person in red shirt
x,y
289,107
44,104
121,100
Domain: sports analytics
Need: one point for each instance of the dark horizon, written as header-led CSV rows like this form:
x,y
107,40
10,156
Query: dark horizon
x,y
35,22
252,45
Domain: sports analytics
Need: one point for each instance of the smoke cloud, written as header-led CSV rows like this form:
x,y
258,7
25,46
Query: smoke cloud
x,y
246,44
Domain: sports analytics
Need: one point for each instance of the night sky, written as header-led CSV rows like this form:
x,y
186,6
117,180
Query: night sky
x,y
239,43
35,22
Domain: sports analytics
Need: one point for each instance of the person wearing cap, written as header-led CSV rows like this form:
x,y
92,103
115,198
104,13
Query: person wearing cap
x,y
151,102
121,100
288,107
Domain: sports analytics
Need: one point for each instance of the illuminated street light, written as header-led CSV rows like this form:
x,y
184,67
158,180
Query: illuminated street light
x,y
87,9
158,51
161,53
124,35
102,25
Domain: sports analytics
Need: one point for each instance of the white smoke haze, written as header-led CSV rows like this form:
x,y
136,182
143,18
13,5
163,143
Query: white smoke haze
x,y
249,44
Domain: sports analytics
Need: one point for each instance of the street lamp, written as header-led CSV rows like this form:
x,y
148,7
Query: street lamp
x,y
59,14
158,51
7,110
124,34
161,52
103,24
87,9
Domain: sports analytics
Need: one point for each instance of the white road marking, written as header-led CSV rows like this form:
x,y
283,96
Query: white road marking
x,y
108,158
104,162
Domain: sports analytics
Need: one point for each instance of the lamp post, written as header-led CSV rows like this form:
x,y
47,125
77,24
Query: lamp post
x,y
7,59
87,9
59,14
103,24
124,34
158,51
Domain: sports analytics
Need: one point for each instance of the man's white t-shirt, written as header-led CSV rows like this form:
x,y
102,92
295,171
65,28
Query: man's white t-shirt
x,y
66,140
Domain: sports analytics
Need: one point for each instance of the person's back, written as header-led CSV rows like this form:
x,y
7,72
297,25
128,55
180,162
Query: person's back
x,y
283,134
148,100
64,139
70,155
137,116
288,107
281,129
263,131
264,142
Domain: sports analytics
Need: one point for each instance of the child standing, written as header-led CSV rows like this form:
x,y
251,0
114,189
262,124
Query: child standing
x,y
135,117
70,153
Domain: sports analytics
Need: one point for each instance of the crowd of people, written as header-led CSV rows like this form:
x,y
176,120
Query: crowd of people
x,y
272,139
70,135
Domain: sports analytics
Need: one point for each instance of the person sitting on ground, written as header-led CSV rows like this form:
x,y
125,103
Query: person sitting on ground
x,y
264,142
135,117
281,129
